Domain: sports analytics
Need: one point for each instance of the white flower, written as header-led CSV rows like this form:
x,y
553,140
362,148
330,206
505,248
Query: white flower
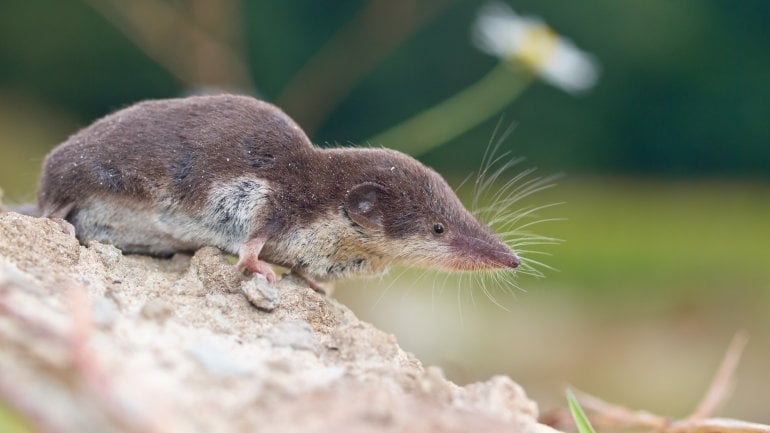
x,y
503,33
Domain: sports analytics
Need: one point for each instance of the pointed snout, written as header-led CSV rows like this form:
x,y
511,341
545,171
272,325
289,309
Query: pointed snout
x,y
513,261
488,253
504,257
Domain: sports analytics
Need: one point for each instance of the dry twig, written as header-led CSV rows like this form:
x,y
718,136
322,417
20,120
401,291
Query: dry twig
x,y
722,385
605,415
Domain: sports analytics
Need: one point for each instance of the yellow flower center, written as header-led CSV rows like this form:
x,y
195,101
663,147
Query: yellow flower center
x,y
538,45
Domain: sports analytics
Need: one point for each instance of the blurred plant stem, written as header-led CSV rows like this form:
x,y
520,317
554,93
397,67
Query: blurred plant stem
x,y
352,52
443,122
197,41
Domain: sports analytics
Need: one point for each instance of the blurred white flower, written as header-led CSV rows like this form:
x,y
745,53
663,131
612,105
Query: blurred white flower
x,y
501,32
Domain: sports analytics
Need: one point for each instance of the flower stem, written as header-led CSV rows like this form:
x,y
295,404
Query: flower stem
x,y
441,123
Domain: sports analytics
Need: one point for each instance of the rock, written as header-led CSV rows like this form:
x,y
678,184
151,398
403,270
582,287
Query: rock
x,y
94,340
296,334
35,247
216,360
108,254
104,312
212,269
260,293
157,309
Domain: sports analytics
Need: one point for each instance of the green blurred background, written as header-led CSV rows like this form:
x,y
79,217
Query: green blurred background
x,y
666,190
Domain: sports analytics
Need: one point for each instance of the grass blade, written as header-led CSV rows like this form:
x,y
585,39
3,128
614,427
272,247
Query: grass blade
x,y
581,420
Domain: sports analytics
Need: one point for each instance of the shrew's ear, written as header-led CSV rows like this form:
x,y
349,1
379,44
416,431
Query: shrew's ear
x,y
363,204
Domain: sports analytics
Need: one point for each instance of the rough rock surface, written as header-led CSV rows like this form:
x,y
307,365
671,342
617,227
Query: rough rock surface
x,y
95,341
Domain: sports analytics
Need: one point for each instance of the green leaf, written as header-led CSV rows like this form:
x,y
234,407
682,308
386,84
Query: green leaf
x,y
581,420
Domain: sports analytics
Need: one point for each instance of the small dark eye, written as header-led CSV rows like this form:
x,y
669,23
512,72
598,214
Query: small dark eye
x,y
438,228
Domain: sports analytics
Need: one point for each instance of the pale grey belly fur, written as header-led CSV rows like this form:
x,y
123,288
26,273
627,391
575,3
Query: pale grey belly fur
x,y
232,212
328,248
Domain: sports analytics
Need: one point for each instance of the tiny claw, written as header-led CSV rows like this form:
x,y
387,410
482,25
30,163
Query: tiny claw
x,y
257,267
248,259
270,275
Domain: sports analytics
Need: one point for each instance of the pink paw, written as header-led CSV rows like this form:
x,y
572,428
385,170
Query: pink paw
x,y
257,267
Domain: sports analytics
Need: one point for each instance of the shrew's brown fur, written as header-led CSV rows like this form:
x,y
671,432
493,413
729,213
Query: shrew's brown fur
x,y
170,175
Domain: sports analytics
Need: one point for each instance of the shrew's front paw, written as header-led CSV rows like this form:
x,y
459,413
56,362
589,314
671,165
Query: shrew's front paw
x,y
257,267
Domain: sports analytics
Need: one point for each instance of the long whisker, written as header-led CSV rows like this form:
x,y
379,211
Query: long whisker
x,y
501,197
387,288
512,223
